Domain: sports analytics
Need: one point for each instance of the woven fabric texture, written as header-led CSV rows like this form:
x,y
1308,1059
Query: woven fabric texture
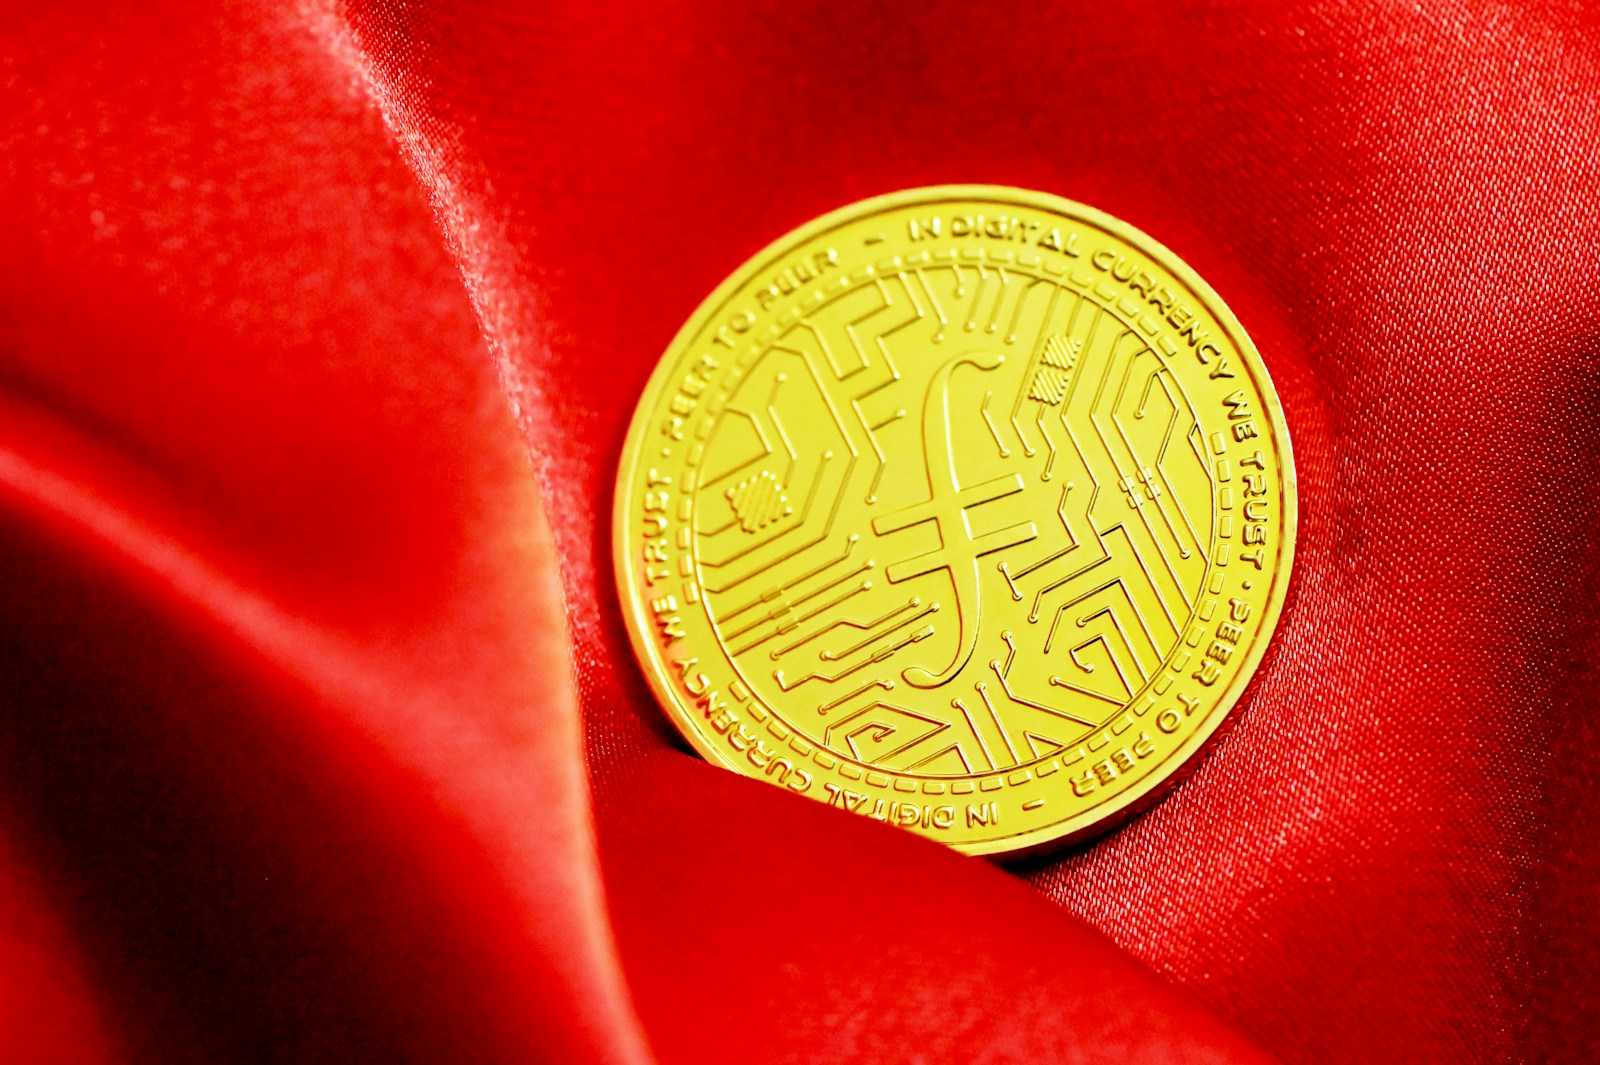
x,y
320,328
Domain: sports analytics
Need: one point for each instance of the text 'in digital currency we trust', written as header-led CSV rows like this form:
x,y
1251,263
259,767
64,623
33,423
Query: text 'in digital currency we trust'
x,y
968,509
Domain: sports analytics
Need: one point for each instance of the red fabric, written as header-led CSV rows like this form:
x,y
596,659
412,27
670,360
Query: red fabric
x,y
319,331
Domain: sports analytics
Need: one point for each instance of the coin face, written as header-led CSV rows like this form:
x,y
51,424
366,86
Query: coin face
x,y
967,509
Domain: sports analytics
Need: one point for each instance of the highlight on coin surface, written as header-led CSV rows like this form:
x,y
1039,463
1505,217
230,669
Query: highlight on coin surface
x,y
967,509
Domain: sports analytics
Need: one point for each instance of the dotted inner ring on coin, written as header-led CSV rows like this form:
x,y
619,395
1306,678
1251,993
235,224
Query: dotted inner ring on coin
x,y
951,518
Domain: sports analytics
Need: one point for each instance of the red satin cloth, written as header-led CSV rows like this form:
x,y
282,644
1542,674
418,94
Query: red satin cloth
x,y
320,328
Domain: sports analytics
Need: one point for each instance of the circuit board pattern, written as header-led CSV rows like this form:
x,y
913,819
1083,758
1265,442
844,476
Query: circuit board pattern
x,y
955,469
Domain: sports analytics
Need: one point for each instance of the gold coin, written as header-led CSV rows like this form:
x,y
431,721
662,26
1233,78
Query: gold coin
x,y
967,509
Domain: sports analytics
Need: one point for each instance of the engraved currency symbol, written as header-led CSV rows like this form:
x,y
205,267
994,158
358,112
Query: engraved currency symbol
x,y
945,506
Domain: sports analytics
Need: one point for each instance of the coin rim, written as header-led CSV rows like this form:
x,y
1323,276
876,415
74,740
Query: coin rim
x,y
1100,817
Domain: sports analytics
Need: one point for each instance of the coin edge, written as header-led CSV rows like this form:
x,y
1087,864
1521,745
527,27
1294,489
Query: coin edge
x,y
1099,818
